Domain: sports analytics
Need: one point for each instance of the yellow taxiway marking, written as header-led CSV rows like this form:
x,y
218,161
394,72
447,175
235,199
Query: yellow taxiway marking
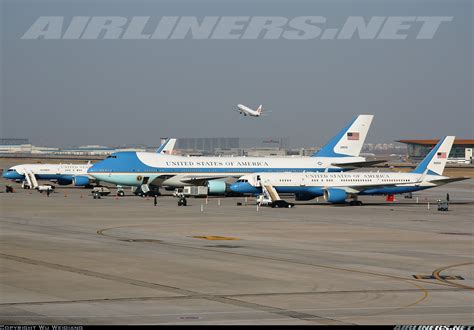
x,y
217,238
437,274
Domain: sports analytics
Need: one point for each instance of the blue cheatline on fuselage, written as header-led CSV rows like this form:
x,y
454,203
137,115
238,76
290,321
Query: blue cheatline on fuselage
x,y
14,175
246,188
392,190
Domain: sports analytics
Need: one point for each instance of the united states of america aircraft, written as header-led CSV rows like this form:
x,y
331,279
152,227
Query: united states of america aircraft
x,y
62,174
144,168
339,187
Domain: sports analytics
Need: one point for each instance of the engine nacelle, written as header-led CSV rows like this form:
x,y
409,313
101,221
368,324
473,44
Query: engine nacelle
x,y
217,187
335,196
64,181
81,181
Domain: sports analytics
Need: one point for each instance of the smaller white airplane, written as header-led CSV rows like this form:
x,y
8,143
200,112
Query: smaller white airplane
x,y
248,111
63,174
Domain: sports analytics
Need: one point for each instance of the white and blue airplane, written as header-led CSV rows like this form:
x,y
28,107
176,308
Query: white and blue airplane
x,y
338,187
63,174
144,168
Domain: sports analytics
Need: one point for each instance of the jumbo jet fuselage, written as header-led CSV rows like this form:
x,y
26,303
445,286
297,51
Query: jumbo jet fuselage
x,y
135,168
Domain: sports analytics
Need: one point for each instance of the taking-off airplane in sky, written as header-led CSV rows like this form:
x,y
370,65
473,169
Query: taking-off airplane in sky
x,y
145,168
337,187
246,111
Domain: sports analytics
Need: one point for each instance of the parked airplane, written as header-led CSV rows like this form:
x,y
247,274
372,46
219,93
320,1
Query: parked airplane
x,y
338,187
143,168
63,174
248,111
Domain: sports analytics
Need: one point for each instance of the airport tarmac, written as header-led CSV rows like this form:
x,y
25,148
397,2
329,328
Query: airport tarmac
x,y
70,259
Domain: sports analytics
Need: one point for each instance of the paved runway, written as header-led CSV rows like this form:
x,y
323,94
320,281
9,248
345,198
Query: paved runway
x,y
70,259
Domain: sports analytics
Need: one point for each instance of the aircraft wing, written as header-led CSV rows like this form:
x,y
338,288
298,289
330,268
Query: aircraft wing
x,y
358,189
200,180
367,163
449,180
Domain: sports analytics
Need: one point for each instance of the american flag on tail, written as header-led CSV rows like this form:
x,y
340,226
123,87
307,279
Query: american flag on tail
x,y
353,135
441,155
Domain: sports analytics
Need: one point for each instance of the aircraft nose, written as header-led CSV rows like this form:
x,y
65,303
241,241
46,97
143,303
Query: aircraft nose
x,y
11,174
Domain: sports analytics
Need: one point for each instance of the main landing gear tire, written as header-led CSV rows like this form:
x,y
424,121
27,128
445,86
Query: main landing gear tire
x,y
120,193
355,203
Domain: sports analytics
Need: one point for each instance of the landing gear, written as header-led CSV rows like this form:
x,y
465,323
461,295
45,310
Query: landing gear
x,y
120,191
355,203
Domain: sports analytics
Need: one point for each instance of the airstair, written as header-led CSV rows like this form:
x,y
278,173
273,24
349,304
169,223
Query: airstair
x,y
31,179
269,194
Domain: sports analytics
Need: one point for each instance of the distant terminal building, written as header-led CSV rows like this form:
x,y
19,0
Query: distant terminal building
x,y
13,142
461,151
232,145
10,145
23,147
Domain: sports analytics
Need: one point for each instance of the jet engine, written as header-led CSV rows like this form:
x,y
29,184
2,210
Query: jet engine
x,y
81,180
217,187
335,196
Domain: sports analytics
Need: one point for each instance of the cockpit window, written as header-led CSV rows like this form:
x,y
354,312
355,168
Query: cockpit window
x,y
112,156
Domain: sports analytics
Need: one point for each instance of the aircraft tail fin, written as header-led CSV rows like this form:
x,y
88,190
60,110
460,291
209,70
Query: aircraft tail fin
x,y
435,161
260,109
167,146
349,141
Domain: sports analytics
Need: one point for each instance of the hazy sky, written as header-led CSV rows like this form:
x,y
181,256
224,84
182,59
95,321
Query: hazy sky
x,y
112,92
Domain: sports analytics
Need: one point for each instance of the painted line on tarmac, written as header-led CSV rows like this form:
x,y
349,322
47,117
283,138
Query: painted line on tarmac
x,y
437,275
188,293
